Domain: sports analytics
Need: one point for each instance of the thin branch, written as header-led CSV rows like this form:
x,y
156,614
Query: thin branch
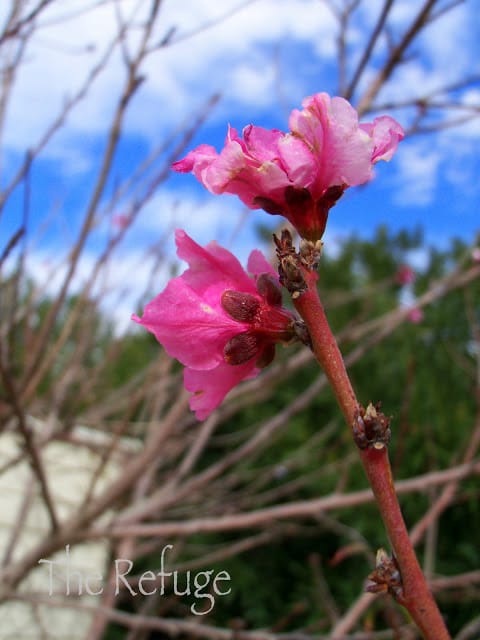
x,y
396,56
174,628
298,509
367,52
33,453
11,244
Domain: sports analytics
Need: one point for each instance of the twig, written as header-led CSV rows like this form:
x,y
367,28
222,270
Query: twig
x,y
297,509
367,52
395,57
173,627
33,453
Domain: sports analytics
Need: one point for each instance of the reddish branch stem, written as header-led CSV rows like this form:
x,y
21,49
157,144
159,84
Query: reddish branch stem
x,y
416,597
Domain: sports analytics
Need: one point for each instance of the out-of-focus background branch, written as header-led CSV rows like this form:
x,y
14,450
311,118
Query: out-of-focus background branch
x,y
100,457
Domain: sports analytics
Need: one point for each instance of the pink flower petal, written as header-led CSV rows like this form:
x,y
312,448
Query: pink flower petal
x,y
386,133
209,388
190,329
187,317
258,264
212,269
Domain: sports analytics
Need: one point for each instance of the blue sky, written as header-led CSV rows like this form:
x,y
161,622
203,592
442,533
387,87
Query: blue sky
x,y
264,56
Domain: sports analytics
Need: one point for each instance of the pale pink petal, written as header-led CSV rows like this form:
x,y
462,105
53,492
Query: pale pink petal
x,y
261,144
267,179
301,165
386,133
224,168
347,150
196,161
342,151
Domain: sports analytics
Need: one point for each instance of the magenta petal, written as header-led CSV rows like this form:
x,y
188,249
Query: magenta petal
x,y
191,319
189,328
188,317
210,387
212,268
258,264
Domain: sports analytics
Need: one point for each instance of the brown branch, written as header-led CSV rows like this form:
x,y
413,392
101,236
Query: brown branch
x,y
132,83
14,30
11,244
31,448
396,57
174,628
367,52
299,509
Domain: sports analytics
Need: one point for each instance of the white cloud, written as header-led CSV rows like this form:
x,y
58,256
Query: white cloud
x,y
118,288
203,217
252,82
56,63
234,55
227,56
440,43
418,164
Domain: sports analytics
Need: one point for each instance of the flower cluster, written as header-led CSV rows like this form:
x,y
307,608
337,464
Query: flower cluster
x,y
220,322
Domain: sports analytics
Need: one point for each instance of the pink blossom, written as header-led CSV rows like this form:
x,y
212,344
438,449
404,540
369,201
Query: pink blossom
x,y
415,315
121,221
218,321
300,174
404,275
476,254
